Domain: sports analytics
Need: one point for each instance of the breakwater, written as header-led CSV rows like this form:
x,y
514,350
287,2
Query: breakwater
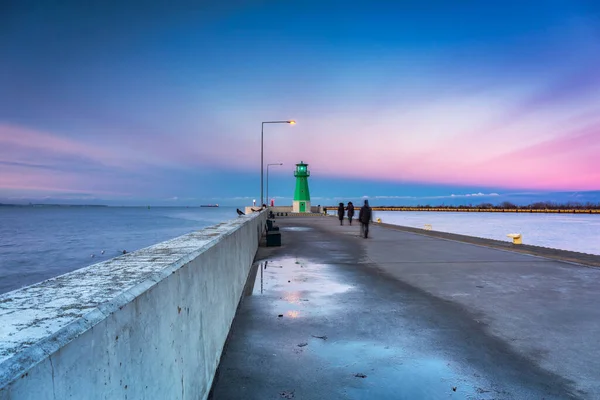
x,y
149,324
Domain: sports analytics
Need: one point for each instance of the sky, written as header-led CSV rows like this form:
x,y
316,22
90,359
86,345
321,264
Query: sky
x,y
404,102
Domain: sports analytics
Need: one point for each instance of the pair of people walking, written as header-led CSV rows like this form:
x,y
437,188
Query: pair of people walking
x,y
342,210
365,216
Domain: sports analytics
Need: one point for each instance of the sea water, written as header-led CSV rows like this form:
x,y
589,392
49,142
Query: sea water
x,y
575,232
37,243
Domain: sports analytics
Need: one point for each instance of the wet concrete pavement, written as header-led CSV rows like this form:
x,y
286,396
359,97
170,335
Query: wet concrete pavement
x,y
406,316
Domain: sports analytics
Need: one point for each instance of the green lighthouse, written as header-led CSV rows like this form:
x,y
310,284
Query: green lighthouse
x,y
301,195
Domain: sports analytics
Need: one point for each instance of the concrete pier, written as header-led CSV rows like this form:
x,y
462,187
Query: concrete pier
x,y
146,325
408,316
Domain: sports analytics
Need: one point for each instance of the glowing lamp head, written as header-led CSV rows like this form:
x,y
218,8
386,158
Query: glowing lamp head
x,y
292,122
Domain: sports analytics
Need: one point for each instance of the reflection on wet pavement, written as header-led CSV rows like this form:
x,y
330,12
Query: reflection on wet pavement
x,y
390,373
307,290
304,288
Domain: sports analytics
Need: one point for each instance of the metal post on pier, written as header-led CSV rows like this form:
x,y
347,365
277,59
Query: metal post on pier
x,y
262,129
268,165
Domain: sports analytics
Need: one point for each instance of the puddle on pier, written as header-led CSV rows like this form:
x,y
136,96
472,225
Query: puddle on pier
x,y
301,287
296,228
391,373
297,289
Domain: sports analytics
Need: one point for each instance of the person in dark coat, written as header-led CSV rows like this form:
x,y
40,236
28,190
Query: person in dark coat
x,y
341,213
365,216
350,212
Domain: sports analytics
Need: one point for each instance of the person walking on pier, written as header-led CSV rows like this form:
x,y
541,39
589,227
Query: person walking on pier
x,y
350,212
365,216
341,213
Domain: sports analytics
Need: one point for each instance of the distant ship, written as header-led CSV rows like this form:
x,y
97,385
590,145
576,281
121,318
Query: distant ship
x,y
209,205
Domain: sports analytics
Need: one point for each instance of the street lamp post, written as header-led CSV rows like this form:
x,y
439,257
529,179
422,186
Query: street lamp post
x,y
268,165
291,122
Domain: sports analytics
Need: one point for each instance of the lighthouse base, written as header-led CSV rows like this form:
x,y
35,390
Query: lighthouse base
x,y
301,206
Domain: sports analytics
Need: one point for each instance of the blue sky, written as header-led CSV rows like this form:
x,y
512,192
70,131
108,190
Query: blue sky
x,y
412,101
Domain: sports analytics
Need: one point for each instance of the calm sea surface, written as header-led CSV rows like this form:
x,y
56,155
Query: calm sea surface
x,y
40,243
575,232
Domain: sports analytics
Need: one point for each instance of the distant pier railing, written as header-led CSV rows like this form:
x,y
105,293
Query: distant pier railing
x,y
475,209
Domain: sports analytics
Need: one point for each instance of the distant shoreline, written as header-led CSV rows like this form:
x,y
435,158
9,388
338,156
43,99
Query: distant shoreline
x,y
100,206
53,205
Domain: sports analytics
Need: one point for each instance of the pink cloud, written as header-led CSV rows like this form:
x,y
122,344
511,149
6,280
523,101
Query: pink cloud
x,y
35,140
39,181
40,162
566,162
542,151
22,144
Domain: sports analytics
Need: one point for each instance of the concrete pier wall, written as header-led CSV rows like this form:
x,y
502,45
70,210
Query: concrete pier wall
x,y
146,325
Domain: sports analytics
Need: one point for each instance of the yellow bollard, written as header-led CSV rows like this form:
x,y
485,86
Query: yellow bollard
x,y
378,220
516,237
428,227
